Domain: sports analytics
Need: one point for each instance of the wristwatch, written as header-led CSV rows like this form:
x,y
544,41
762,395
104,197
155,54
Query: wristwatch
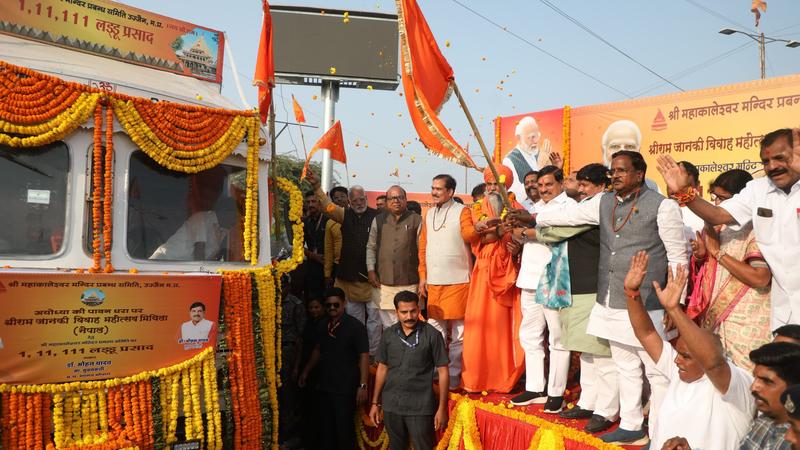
x,y
362,386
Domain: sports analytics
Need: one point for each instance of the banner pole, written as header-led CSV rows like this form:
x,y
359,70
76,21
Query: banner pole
x,y
484,150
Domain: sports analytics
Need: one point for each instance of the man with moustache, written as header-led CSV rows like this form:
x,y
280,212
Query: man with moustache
x,y
531,190
777,366
539,313
409,353
392,256
772,203
631,218
599,400
444,267
351,275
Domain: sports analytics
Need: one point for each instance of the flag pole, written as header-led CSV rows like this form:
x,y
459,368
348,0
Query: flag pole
x,y
484,150
303,140
274,166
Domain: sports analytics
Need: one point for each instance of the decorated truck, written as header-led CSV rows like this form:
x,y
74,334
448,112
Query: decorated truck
x,y
139,302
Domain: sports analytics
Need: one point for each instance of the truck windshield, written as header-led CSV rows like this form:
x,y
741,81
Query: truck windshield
x,y
33,195
185,217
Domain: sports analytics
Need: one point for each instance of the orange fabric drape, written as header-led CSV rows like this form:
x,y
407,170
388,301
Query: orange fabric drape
x,y
426,77
264,77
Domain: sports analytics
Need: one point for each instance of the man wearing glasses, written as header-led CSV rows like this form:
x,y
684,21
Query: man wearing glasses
x,y
392,255
633,217
342,354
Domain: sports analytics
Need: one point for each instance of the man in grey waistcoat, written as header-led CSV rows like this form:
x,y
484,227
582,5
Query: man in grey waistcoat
x,y
632,217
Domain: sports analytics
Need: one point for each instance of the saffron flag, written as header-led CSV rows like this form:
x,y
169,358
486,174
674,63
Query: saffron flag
x,y
264,77
426,77
756,7
333,141
299,117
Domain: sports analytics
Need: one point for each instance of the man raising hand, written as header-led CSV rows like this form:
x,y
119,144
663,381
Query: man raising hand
x,y
708,400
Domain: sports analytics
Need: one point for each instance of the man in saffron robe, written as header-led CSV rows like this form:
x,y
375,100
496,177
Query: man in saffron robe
x,y
493,357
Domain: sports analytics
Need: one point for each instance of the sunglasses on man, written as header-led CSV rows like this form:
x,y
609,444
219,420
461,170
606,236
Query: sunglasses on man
x,y
336,305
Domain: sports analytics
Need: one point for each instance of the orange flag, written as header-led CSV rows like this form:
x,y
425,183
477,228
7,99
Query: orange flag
x,y
756,7
331,140
264,77
426,77
299,117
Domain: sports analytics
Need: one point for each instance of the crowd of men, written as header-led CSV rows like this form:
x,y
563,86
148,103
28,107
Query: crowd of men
x,y
685,312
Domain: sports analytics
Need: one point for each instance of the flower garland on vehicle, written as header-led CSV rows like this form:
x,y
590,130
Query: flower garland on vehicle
x,y
295,216
251,196
238,290
109,414
38,109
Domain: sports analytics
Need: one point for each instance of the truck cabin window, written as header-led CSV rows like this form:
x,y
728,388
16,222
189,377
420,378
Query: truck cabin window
x,y
33,195
185,217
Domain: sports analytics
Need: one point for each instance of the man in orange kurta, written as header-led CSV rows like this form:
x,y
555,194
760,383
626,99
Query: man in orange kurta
x,y
493,357
445,265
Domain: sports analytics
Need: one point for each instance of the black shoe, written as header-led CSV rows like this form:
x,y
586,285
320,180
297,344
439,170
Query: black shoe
x,y
526,398
597,424
553,405
576,413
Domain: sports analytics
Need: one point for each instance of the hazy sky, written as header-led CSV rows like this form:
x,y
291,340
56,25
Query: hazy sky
x,y
678,40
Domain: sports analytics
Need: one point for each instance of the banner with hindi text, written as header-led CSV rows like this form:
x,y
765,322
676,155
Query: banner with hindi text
x,y
716,129
118,31
57,327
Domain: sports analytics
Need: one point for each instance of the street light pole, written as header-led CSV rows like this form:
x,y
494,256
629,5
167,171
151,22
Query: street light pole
x,y
763,51
762,42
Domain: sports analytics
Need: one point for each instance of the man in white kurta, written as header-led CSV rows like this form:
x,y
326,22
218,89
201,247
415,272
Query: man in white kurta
x,y
535,317
609,320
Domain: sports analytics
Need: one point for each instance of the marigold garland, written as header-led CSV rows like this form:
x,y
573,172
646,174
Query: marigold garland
x,y
97,184
363,440
38,109
237,288
295,216
108,189
250,238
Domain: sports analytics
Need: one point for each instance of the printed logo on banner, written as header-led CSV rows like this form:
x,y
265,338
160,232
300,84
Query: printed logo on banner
x,y
659,123
93,297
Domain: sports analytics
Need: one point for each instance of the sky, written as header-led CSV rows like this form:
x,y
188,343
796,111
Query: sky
x,y
625,49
